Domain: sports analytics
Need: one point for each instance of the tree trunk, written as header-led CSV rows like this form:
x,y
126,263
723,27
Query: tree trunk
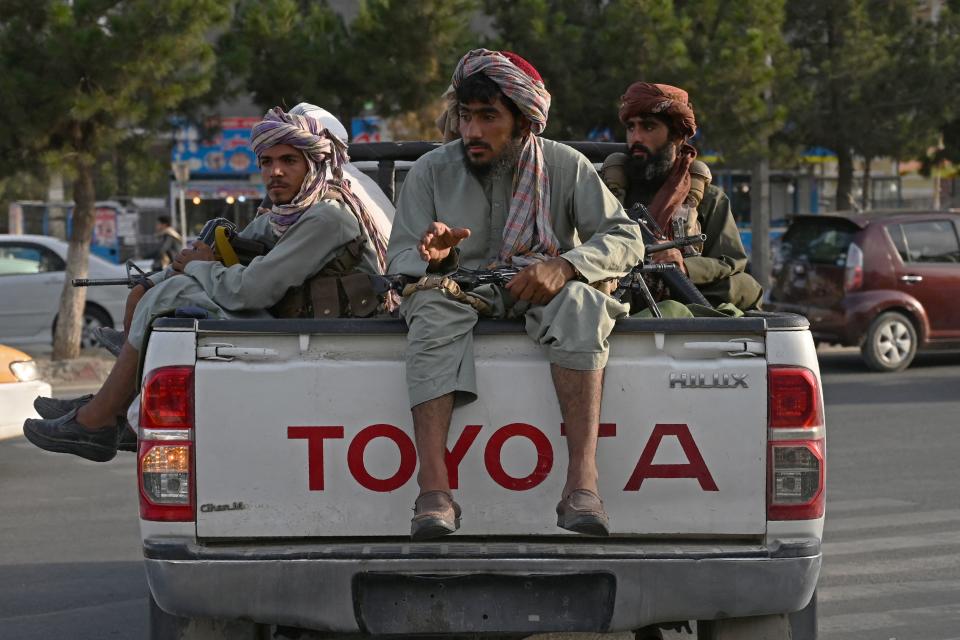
x,y
844,179
867,191
66,338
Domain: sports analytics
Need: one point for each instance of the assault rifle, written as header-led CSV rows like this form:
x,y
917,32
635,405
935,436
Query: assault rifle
x,y
655,239
135,276
468,279
219,234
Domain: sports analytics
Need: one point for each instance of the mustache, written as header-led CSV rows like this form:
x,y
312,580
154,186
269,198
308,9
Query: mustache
x,y
640,147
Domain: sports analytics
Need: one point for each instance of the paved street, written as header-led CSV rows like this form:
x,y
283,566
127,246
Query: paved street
x,y
69,556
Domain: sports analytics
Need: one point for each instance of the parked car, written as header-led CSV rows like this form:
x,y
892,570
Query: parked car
x,y
886,281
31,280
19,385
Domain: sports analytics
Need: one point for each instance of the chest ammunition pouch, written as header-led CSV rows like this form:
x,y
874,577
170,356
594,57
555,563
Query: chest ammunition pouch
x,y
338,290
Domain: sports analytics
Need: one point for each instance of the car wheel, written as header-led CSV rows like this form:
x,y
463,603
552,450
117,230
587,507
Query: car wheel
x,y
93,318
891,342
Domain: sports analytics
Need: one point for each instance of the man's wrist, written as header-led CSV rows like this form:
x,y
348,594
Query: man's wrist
x,y
569,271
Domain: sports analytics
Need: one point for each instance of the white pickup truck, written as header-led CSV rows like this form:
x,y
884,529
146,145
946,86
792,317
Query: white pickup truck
x,y
277,474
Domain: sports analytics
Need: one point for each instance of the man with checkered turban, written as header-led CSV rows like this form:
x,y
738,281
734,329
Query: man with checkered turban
x,y
501,194
661,172
314,227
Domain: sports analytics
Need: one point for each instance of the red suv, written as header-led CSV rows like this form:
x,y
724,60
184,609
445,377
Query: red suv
x,y
886,281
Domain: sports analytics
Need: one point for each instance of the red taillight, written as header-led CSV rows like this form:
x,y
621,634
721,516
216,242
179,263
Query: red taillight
x,y
165,458
853,274
794,398
796,460
167,400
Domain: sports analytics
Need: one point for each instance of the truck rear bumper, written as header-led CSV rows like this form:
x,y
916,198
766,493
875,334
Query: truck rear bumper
x,y
480,586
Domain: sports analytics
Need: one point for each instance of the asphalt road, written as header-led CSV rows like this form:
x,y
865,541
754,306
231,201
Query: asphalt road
x,y
70,559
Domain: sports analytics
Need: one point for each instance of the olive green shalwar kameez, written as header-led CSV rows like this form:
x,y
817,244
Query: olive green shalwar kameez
x,y
246,292
719,272
594,234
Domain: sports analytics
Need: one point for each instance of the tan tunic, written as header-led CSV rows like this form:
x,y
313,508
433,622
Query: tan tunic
x,y
594,233
248,291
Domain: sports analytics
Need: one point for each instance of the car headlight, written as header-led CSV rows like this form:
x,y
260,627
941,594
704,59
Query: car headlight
x,y
24,370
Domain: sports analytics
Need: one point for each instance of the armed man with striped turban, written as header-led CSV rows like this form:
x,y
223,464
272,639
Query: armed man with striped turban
x,y
317,233
499,193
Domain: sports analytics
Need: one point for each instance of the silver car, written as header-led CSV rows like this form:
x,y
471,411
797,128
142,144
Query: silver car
x,y
32,270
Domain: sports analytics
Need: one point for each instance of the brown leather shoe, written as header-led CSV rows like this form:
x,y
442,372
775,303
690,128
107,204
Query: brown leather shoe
x,y
435,514
582,512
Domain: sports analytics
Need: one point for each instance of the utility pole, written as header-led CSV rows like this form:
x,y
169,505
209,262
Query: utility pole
x,y
760,204
181,174
760,221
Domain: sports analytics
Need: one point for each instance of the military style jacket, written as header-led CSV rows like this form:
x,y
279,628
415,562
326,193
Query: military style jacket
x,y
723,254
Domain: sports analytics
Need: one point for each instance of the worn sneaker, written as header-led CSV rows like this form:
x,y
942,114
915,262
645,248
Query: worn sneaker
x,y
55,407
66,435
110,339
582,512
435,514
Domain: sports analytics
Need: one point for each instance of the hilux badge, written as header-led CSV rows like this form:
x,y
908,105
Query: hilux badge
x,y
708,381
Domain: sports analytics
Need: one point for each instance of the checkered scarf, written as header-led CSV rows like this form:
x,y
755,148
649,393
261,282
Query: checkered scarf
x,y
326,154
529,227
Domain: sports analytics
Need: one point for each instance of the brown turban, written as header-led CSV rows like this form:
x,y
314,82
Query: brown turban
x,y
663,100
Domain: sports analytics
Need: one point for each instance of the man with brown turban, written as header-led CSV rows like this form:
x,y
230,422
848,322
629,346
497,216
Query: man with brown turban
x,y
660,171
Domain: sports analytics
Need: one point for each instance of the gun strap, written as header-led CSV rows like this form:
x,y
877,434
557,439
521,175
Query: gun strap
x,y
451,289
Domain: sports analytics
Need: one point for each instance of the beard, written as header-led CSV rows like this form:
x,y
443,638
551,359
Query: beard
x,y
654,167
500,165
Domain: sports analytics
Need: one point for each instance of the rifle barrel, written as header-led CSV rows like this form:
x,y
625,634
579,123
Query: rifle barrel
x,y
685,241
103,282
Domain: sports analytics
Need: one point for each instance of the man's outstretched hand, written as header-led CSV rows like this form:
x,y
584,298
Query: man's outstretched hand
x,y
199,251
540,282
438,240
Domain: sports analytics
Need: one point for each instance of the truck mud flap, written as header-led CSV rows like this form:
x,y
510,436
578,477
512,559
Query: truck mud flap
x,y
413,604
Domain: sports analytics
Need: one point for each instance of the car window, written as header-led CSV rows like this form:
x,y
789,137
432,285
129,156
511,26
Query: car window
x,y
929,241
819,241
20,259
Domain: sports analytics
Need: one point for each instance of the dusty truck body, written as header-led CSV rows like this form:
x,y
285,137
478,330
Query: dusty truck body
x,y
277,473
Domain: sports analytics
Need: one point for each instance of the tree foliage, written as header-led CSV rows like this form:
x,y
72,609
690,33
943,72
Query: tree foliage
x,y
871,80
397,55
76,78
725,54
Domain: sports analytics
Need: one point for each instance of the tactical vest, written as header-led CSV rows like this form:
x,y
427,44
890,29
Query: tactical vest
x,y
338,290
614,175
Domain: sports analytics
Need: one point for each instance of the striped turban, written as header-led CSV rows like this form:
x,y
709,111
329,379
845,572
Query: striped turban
x,y
529,228
325,154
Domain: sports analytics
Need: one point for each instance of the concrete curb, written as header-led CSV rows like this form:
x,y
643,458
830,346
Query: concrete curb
x,y
85,371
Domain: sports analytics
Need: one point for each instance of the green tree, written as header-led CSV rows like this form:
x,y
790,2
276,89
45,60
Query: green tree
x,y
725,54
76,78
396,54
948,64
287,51
872,83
